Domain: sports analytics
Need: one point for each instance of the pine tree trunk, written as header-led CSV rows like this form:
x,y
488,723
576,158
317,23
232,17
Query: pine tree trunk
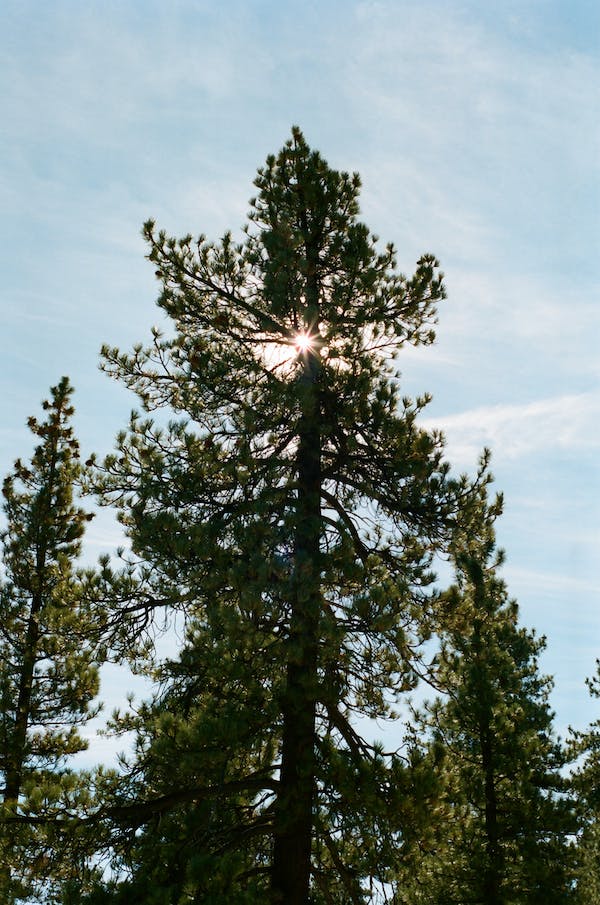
x,y
14,772
294,808
16,755
493,873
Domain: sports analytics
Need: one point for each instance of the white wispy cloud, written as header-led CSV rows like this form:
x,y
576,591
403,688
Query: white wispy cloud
x,y
515,430
556,587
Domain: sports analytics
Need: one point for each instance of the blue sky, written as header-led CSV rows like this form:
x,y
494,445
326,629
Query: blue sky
x,y
476,130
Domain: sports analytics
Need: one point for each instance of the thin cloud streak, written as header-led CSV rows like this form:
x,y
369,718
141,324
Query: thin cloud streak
x,y
513,431
553,584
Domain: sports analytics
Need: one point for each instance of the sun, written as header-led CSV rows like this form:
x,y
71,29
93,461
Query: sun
x,y
303,342
284,356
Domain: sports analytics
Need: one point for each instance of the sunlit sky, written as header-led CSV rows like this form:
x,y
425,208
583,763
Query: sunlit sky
x,y
476,130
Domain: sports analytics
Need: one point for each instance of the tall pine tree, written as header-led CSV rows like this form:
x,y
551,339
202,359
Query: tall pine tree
x,y
295,503
48,677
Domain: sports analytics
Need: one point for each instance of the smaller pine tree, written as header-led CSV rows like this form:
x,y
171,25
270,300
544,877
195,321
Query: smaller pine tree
x,y
585,747
48,675
504,818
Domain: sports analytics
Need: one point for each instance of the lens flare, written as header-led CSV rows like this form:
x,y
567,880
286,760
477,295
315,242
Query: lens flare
x,y
303,342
